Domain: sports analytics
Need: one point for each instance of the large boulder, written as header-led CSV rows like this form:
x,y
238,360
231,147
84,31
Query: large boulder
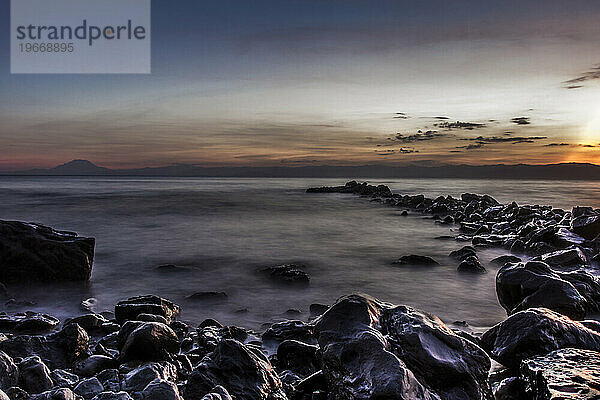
x,y
534,284
27,322
89,388
56,394
34,375
563,374
373,350
536,332
217,393
243,369
149,341
142,376
32,252
587,225
9,373
161,390
130,309
288,274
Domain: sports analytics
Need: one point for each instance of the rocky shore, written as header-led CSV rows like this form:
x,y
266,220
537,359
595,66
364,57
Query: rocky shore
x,y
360,347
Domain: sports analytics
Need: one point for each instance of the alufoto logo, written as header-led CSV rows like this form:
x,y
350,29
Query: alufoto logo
x,y
87,32
80,36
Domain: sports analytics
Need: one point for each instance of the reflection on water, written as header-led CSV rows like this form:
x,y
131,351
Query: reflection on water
x,y
222,230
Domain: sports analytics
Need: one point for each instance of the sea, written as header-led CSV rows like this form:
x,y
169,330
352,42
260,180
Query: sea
x,y
222,231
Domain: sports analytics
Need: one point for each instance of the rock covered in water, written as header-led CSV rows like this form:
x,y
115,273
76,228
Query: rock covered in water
x,y
506,259
463,253
128,310
471,265
243,370
37,253
148,341
363,189
563,374
415,259
375,350
289,274
535,332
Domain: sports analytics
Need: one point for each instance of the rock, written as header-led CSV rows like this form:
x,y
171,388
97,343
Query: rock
x,y
290,330
113,396
139,378
36,253
88,388
30,322
161,390
563,374
89,322
34,376
208,296
110,379
507,259
414,259
9,373
16,393
587,226
73,341
217,393
89,305
93,365
535,332
354,187
4,396
587,285
150,341
463,253
564,258
128,310
298,357
511,388
471,265
62,378
289,274
56,394
210,322
375,350
316,309
591,324
152,318
535,284
243,369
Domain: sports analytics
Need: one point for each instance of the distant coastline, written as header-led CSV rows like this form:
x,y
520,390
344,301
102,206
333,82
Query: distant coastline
x,y
565,171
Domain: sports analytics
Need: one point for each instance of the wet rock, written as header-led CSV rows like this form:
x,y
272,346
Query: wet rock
x,y
587,226
128,310
414,259
9,373
507,259
56,394
208,296
564,258
591,324
89,322
290,330
316,309
298,357
289,274
93,365
62,378
463,253
511,388
113,396
217,393
375,350
34,375
587,285
471,265
37,253
30,322
88,388
535,332
161,390
152,318
243,369
150,341
15,393
139,378
110,379
535,284
363,189
563,374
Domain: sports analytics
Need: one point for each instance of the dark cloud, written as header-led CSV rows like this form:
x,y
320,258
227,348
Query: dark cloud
x,y
472,146
505,139
401,150
591,75
400,115
460,125
521,120
557,144
420,136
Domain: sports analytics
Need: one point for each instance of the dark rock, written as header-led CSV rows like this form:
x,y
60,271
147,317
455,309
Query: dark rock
x,y
316,309
563,374
291,274
110,379
113,396
37,253
139,378
150,341
34,376
89,322
152,318
9,373
298,357
587,285
56,394
511,388
373,350
507,259
564,258
89,305
128,310
88,388
471,265
293,312
463,253
210,322
4,396
290,330
30,322
62,378
93,365
208,296
161,390
353,187
414,259
535,332
16,393
217,393
587,226
243,370
591,324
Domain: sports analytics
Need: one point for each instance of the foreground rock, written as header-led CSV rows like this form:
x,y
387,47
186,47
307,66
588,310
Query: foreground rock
x,y
37,253
536,332
130,309
375,350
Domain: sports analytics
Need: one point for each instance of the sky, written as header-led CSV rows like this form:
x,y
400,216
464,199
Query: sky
x,y
325,82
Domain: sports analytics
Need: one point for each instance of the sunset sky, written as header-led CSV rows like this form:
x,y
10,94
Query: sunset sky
x,y
325,82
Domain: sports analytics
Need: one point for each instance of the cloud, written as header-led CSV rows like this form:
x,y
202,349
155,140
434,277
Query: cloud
x,y
591,75
400,115
459,125
521,120
556,144
472,146
505,139
417,137
401,150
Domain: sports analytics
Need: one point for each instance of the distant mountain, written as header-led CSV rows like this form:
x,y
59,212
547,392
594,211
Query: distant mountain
x,y
567,171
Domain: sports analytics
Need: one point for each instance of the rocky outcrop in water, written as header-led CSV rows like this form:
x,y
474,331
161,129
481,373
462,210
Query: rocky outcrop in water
x,y
36,253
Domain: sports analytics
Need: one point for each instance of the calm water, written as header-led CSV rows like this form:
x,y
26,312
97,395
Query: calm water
x,y
222,230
